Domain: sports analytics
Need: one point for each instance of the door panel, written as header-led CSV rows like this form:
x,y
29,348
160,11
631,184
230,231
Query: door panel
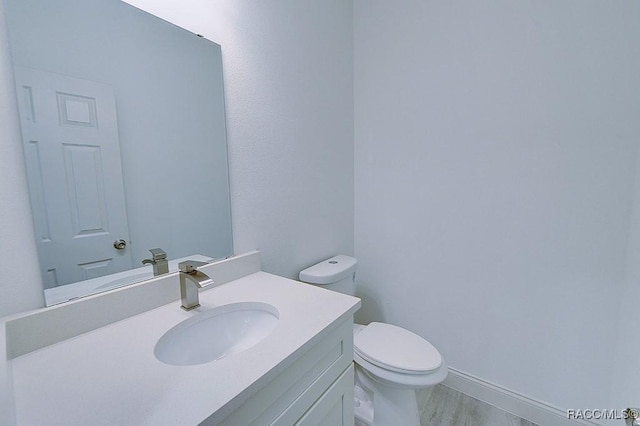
x,y
72,152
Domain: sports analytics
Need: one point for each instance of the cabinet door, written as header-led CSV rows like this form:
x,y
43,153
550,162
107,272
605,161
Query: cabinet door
x,y
335,406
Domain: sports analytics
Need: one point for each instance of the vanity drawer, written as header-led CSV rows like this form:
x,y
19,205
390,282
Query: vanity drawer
x,y
335,406
287,397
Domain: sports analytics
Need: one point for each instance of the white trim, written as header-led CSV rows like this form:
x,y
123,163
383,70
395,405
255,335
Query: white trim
x,y
530,409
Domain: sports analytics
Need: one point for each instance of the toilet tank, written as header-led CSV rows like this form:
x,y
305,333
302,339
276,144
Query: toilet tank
x,y
337,274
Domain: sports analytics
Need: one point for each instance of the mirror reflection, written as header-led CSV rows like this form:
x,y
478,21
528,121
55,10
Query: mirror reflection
x,y
123,128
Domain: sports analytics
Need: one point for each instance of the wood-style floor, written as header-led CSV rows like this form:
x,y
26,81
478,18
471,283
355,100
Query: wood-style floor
x,y
442,406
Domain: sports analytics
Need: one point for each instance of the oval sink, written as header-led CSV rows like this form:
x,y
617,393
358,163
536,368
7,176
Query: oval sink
x,y
216,333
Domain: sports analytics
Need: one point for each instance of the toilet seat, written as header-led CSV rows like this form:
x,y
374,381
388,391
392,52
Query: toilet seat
x,y
395,349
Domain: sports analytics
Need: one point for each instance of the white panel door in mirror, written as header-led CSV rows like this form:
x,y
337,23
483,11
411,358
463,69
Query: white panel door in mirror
x,y
72,152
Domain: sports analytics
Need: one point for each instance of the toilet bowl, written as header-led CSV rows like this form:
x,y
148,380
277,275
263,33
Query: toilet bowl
x,y
391,362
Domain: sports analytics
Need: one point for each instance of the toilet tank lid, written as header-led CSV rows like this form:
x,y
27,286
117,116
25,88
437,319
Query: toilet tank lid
x,y
329,271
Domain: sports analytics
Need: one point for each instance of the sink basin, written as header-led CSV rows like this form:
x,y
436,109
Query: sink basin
x,y
216,333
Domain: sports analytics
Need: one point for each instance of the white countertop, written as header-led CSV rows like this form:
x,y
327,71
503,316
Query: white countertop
x,y
110,375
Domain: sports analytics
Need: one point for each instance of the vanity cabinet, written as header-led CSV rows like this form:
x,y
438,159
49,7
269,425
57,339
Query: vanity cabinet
x,y
316,389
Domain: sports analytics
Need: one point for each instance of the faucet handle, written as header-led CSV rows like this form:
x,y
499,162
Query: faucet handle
x,y
158,253
190,266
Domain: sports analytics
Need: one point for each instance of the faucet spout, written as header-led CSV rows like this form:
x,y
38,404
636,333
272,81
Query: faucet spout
x,y
191,279
158,260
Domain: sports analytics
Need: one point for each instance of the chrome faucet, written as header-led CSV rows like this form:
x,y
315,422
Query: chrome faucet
x,y
189,274
159,261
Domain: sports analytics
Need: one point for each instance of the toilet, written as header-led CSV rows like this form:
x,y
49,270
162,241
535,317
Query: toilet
x,y
390,361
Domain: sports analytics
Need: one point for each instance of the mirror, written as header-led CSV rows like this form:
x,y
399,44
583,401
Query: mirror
x,y
123,128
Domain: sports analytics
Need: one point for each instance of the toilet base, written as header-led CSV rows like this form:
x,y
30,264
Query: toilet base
x,y
377,404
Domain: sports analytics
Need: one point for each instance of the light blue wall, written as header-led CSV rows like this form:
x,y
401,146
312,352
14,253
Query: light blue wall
x,y
20,281
495,159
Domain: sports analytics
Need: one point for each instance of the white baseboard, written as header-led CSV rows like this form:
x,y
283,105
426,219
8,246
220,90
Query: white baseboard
x,y
530,409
